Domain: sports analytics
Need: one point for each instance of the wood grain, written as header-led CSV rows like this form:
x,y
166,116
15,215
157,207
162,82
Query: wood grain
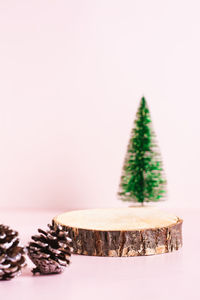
x,y
122,231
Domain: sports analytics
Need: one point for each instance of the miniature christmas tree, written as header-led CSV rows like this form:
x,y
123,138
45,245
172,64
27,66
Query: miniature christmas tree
x,y
142,178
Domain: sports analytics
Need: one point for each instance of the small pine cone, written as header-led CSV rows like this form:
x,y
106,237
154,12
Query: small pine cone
x,y
11,254
50,251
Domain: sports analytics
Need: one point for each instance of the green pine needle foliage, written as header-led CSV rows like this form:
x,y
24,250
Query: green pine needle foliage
x,y
142,177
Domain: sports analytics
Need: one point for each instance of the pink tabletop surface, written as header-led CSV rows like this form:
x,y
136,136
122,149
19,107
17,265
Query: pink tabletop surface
x,y
168,276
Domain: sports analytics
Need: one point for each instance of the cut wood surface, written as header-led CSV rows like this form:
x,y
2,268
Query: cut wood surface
x,y
129,231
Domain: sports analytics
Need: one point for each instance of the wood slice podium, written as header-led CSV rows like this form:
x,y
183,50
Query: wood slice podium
x,y
130,231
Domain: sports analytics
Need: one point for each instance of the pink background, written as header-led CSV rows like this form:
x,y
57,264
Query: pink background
x,y
71,77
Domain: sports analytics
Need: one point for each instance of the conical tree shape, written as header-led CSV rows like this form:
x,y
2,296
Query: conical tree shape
x,y
142,178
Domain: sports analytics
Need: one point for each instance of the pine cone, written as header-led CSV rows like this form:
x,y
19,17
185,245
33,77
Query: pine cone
x,y
11,254
50,250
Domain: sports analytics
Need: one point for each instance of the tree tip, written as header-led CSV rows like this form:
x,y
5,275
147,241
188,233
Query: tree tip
x,y
143,99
